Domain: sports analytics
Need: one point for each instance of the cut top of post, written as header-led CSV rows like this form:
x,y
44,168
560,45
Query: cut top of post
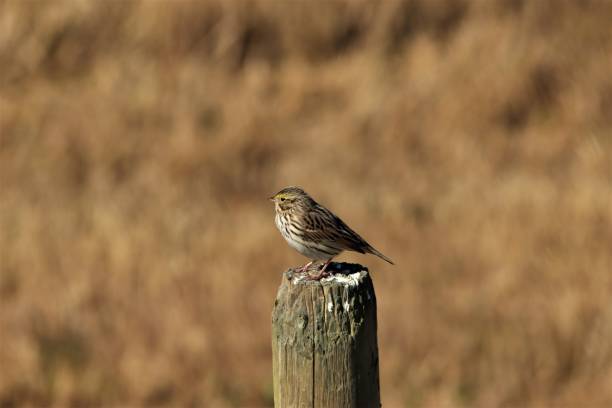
x,y
345,274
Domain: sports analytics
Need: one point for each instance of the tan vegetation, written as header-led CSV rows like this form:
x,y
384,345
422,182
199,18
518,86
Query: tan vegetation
x,y
470,141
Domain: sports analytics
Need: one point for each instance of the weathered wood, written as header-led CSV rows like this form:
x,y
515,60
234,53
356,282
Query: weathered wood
x,y
325,351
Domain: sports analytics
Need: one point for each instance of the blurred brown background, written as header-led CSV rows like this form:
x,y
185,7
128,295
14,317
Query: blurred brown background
x,y
470,141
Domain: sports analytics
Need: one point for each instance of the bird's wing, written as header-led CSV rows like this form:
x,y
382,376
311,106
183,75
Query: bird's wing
x,y
324,226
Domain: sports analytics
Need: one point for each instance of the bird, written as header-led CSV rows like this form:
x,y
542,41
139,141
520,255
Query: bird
x,y
314,231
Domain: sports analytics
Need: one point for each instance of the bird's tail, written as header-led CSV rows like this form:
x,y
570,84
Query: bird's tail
x,y
379,254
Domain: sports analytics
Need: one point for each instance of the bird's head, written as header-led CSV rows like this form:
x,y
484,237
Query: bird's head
x,y
289,197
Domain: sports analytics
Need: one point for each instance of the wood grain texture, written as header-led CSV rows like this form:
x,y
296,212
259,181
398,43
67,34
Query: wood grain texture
x,y
324,344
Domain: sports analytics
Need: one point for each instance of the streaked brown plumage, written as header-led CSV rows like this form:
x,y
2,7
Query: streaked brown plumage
x,y
315,231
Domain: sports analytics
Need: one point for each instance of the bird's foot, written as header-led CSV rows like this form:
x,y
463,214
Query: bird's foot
x,y
318,276
322,273
304,268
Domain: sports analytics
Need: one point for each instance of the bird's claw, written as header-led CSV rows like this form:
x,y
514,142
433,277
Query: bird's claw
x,y
318,276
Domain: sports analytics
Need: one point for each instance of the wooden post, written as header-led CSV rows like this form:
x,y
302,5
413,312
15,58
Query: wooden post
x,y
324,345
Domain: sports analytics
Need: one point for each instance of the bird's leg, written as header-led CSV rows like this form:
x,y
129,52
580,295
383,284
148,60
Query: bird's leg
x,y
322,273
304,268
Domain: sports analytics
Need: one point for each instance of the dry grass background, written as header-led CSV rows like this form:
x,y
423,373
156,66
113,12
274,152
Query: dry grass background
x,y
470,141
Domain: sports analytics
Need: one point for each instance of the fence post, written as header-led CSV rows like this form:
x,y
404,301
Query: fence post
x,y
324,346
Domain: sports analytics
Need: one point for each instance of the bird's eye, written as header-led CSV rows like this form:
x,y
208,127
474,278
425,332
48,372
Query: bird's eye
x,y
282,199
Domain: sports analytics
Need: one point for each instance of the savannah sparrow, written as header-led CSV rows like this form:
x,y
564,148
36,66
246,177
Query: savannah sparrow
x,y
314,231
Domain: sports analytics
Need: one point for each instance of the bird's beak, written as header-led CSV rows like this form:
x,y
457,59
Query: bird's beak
x,y
271,198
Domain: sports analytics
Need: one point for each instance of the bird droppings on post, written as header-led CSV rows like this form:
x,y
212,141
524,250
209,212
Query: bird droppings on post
x,y
348,280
